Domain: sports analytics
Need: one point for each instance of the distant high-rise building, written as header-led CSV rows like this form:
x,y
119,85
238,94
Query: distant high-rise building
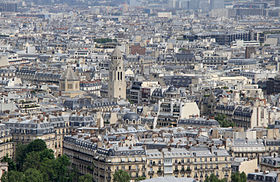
x,y
6,6
204,5
134,3
185,4
194,4
277,3
172,3
217,4
117,83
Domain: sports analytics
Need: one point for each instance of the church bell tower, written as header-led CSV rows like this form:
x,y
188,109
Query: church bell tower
x,y
117,83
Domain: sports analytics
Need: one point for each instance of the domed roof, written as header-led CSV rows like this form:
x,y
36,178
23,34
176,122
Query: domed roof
x,y
171,89
131,116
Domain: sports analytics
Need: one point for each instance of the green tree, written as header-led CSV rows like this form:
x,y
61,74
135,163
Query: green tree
x,y
121,176
86,178
46,154
49,167
20,156
36,163
243,177
62,169
238,177
214,178
4,177
221,118
36,146
32,160
140,178
23,150
33,175
11,163
56,169
12,176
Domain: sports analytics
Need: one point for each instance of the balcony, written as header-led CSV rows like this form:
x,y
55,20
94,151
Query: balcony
x,y
159,172
176,171
226,168
151,173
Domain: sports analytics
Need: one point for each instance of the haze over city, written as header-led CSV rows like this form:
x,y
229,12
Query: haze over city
x,y
139,90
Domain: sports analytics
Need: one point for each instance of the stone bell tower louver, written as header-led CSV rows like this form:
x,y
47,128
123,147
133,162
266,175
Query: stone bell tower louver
x,y
117,83
70,83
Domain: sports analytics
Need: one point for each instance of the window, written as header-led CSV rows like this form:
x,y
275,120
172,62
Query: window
x,y
70,86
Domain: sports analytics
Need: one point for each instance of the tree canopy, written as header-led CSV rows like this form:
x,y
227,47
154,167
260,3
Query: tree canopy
x,y
36,163
86,178
214,178
222,119
238,177
121,176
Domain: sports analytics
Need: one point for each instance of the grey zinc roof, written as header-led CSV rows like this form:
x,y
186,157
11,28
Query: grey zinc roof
x,y
131,116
